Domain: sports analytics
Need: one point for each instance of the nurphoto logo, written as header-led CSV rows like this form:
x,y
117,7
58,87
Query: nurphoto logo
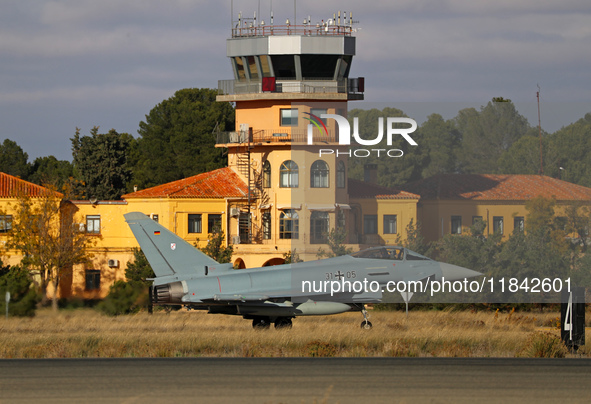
x,y
345,135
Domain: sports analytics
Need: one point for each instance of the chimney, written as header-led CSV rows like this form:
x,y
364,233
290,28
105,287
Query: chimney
x,y
370,173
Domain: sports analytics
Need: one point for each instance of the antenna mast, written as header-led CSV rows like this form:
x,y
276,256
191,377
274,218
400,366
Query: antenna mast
x,y
541,171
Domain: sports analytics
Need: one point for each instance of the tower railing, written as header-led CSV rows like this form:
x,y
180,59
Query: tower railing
x,y
320,29
295,135
306,86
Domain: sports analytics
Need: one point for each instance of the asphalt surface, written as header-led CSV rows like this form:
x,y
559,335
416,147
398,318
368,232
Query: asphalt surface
x,y
295,380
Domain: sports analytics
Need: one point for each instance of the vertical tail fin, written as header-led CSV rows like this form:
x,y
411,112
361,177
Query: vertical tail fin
x,y
167,253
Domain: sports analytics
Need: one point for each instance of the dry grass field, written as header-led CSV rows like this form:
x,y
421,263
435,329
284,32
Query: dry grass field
x,y
87,333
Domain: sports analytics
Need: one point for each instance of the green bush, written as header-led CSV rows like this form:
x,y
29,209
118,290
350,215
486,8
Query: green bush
x,y
544,345
124,298
320,349
23,296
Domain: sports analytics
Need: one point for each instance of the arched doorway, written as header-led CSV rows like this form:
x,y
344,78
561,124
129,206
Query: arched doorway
x,y
274,261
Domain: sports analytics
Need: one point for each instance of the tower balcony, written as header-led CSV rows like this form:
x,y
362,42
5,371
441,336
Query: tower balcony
x,y
270,88
273,137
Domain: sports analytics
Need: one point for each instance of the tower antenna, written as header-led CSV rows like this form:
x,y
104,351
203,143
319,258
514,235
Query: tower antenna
x,y
541,171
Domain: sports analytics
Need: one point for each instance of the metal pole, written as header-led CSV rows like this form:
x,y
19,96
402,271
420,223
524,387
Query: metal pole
x,y
7,300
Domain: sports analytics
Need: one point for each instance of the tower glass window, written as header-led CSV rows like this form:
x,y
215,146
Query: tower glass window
x,y
239,66
345,65
288,175
284,66
252,67
266,69
318,66
319,174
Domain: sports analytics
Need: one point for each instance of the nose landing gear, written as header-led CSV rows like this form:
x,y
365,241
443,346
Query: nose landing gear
x,y
365,324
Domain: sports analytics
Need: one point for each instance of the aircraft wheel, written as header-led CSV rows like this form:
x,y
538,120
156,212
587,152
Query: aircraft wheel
x,y
261,323
283,323
366,325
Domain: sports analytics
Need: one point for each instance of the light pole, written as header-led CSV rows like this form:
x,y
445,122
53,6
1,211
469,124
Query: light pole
x,y
561,170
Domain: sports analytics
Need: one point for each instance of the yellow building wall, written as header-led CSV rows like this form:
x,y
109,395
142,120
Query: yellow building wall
x,y
9,257
404,209
266,114
435,216
116,242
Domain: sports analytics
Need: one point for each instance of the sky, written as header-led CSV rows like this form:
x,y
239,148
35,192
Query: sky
x,y
84,63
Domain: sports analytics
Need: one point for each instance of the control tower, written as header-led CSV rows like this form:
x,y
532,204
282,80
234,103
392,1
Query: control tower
x,y
285,78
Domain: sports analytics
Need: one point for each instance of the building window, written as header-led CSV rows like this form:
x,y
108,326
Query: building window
x,y
289,117
390,224
370,224
194,223
341,175
266,225
93,224
93,279
498,224
518,223
239,67
319,174
266,174
155,218
244,226
341,220
252,67
289,225
214,223
318,112
266,70
288,175
476,219
456,225
319,222
5,223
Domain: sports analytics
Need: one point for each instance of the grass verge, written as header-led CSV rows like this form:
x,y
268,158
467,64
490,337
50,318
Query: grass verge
x,y
88,333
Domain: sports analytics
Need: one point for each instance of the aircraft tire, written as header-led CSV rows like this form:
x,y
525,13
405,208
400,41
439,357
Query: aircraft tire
x,y
283,323
366,325
261,323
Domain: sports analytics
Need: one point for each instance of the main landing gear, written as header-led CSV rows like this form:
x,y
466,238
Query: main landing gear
x,y
264,323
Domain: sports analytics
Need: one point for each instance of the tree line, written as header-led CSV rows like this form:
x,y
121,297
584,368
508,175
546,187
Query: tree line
x,y
494,139
177,138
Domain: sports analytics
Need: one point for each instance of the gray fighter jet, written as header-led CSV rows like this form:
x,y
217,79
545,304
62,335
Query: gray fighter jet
x,y
277,294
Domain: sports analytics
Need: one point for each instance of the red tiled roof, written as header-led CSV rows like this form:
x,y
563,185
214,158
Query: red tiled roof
x,y
219,183
11,187
361,189
492,187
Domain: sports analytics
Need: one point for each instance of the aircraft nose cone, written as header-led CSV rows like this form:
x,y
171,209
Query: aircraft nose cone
x,y
455,273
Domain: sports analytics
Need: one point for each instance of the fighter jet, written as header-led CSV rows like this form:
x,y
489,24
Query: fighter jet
x,y
277,294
